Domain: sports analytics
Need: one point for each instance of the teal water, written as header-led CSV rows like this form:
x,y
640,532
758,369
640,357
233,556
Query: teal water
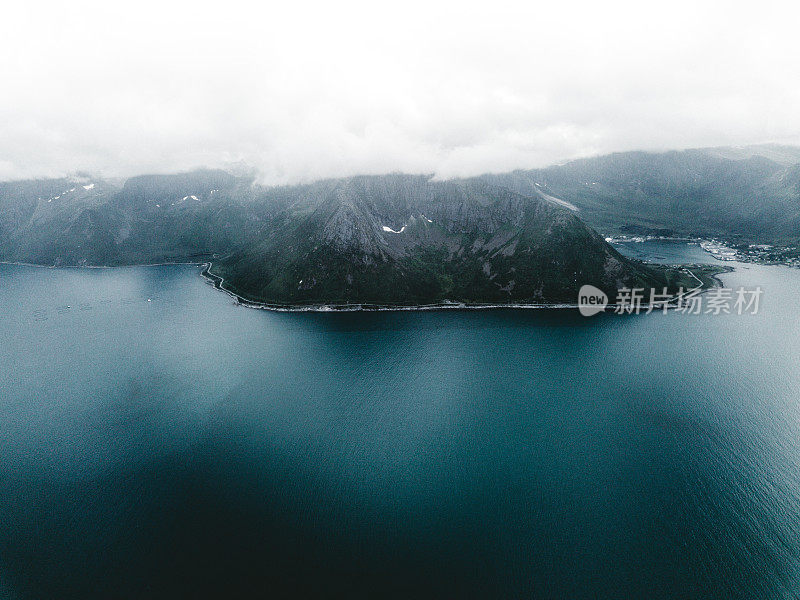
x,y
157,441
666,252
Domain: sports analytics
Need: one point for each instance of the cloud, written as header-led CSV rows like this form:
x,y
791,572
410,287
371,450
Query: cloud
x,y
317,90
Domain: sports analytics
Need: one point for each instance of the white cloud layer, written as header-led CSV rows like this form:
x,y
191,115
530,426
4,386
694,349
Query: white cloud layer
x,y
309,90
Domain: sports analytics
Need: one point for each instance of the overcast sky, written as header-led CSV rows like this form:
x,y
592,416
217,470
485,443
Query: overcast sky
x,y
310,90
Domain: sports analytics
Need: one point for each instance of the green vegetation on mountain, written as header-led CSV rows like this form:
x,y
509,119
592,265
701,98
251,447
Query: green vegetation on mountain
x,y
518,237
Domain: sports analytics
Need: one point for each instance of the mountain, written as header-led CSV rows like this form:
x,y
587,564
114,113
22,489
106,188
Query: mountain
x,y
411,240
395,239
784,155
749,194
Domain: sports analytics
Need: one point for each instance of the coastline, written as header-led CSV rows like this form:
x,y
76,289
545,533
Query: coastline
x,y
160,264
724,250
218,283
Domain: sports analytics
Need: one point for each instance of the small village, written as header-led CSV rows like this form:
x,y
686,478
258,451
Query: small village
x,y
766,254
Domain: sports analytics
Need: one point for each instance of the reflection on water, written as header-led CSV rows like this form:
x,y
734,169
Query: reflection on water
x,y
167,443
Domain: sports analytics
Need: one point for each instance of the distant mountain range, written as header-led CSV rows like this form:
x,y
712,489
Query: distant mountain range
x,y
748,194
409,239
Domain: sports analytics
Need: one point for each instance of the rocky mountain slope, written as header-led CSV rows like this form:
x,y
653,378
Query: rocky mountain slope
x,y
749,194
395,239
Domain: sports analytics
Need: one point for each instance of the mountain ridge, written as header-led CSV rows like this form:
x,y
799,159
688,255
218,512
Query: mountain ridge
x,y
746,195
397,239
524,236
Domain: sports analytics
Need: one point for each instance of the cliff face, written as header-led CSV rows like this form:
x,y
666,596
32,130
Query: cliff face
x,y
407,239
396,239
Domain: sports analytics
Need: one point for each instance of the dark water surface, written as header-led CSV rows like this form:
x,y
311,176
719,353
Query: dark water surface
x,y
666,252
157,441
